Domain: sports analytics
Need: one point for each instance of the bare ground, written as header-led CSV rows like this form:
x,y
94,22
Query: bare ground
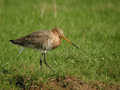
x,y
64,83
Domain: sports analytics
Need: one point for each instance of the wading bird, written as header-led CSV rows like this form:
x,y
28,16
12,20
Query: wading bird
x,y
44,41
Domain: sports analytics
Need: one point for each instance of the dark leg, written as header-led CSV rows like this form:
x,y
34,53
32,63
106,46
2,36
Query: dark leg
x,y
47,63
41,61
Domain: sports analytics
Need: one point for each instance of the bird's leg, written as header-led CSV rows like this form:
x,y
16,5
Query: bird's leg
x,y
41,62
46,62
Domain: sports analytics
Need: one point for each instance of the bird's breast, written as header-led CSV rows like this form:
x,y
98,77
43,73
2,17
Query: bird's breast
x,y
56,42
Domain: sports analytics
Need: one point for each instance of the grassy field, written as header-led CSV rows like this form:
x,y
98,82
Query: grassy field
x,y
94,25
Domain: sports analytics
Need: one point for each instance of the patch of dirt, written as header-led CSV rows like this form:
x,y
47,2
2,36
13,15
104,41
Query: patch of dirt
x,y
63,83
72,83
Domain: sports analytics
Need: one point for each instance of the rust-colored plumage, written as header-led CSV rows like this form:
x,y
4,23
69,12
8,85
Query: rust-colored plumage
x,y
43,40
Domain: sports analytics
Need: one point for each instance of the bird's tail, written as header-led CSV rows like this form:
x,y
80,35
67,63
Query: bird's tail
x,y
13,41
16,42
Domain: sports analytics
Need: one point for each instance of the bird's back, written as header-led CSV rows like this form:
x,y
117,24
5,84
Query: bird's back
x,y
34,40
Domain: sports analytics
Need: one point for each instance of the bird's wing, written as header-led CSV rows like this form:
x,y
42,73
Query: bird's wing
x,y
35,39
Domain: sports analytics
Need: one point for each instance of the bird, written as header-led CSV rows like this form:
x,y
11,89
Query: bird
x,y
44,41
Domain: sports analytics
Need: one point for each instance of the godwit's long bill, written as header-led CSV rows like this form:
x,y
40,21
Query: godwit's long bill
x,y
44,41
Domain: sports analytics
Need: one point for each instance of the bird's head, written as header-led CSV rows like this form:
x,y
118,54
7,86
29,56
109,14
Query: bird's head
x,y
61,35
58,31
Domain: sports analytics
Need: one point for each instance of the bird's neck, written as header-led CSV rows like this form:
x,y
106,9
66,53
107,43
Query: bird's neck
x,y
55,32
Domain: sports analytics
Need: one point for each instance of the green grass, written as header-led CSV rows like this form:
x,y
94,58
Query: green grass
x,y
94,25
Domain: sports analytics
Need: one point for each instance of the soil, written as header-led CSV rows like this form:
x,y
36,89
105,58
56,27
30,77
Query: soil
x,y
67,83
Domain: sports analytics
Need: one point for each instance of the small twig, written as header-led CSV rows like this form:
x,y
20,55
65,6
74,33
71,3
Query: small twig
x,y
55,9
43,10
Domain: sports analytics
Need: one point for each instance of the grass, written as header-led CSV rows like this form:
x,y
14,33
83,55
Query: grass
x,y
92,24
